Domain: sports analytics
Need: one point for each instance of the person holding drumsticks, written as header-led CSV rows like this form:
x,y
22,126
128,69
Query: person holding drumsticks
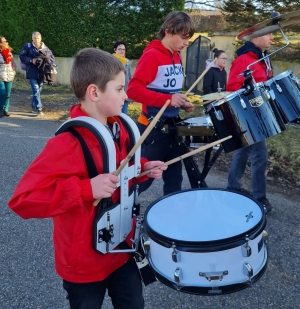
x,y
250,52
57,185
158,77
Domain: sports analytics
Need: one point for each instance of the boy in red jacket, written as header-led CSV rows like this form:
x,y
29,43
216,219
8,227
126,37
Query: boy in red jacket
x,y
159,77
57,185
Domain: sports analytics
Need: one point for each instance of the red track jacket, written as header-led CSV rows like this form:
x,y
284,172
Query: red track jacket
x,y
56,185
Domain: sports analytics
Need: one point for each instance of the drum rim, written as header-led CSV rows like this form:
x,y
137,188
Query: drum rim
x,y
282,75
228,98
204,246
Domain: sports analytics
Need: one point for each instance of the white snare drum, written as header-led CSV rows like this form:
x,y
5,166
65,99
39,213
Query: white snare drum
x,y
206,241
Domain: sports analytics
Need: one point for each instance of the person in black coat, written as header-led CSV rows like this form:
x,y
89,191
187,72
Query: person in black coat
x,y
216,77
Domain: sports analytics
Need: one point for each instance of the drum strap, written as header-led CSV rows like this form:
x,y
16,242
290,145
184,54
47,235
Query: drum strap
x,y
92,171
91,167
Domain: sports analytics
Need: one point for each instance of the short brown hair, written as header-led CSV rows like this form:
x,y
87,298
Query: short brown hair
x,y
93,66
177,23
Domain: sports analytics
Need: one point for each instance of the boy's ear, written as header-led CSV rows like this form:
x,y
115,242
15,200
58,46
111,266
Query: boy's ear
x,y
93,92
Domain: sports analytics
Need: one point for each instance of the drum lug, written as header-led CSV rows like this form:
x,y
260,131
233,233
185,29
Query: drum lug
x,y
267,95
265,237
178,275
244,106
272,94
218,275
278,88
147,245
246,249
175,254
219,115
248,270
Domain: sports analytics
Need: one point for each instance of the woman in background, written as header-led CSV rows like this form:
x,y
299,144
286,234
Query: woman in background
x,y
7,75
216,78
119,53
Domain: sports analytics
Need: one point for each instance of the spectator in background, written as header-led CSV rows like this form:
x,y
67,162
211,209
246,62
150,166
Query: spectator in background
x,y
119,53
33,55
216,77
7,75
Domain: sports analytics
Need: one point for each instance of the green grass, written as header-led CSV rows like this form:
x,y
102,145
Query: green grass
x,y
21,83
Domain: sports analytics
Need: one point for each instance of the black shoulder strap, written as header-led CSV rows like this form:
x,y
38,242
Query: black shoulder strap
x,y
89,161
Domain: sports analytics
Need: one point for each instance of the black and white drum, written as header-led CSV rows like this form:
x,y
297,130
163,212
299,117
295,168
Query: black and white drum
x,y
249,118
285,93
206,241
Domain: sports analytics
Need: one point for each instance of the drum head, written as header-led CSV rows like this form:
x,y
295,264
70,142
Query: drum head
x,y
203,215
197,121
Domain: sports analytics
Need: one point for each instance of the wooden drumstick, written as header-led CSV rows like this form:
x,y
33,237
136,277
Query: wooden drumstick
x,y
191,153
201,76
139,142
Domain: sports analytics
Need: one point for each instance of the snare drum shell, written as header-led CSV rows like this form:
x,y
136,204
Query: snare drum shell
x,y
285,95
249,118
199,244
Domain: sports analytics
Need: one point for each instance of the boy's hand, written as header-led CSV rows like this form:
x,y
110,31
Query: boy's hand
x,y
188,107
178,99
156,173
104,185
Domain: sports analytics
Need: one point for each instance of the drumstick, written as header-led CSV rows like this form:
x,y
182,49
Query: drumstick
x,y
207,102
201,76
191,153
139,142
297,73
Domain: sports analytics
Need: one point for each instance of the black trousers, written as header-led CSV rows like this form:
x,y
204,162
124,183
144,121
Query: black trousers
x,y
124,286
163,147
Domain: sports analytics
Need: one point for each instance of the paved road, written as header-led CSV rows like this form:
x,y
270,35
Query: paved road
x,y
27,276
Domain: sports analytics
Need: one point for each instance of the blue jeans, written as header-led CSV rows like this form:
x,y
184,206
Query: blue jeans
x,y
125,107
163,147
36,87
258,154
5,90
124,287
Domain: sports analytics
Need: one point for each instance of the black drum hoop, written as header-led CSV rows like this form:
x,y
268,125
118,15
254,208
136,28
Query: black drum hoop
x,y
204,246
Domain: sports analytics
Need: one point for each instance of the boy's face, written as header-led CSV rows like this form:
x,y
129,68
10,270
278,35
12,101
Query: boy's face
x,y
111,101
176,42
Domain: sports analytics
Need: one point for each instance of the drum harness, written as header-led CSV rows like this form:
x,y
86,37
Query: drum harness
x,y
146,272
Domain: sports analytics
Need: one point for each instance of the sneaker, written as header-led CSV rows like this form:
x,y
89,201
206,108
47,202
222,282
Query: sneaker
x,y
34,111
5,113
266,204
39,112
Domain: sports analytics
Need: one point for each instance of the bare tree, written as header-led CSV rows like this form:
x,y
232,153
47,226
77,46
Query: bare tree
x,y
206,3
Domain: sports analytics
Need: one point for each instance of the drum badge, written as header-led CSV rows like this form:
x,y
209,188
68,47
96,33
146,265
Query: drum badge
x,y
256,102
249,216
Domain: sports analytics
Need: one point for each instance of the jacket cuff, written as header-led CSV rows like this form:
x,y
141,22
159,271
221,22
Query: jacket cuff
x,y
86,190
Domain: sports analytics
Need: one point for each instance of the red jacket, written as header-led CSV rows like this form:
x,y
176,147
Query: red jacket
x,y
158,75
239,65
56,185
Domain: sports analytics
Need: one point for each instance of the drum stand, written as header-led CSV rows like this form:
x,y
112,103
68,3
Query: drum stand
x,y
197,178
